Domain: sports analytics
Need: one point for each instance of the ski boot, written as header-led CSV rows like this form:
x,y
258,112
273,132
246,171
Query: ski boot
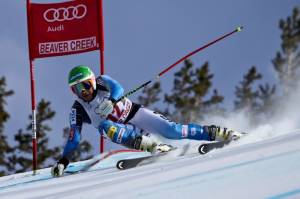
x,y
217,133
145,143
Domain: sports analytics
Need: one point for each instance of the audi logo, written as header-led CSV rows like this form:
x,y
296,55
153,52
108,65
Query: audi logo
x,y
65,14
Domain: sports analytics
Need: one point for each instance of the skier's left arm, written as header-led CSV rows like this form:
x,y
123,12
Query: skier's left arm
x,y
115,88
116,91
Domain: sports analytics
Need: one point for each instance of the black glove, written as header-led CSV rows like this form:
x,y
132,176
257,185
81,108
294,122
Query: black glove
x,y
58,169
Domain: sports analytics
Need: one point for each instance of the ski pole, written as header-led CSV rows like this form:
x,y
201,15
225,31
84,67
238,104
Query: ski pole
x,y
238,29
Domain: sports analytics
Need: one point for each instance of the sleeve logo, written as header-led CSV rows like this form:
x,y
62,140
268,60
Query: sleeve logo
x,y
73,116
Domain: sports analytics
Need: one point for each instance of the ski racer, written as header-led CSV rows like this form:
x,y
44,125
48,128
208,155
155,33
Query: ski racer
x,y
124,122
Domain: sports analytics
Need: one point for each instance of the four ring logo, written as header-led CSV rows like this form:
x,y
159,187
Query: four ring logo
x,y
63,14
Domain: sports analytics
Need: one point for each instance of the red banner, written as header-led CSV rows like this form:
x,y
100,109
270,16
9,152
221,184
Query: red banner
x,y
63,28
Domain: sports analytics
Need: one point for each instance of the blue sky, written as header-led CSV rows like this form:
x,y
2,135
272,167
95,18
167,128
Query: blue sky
x,y
141,39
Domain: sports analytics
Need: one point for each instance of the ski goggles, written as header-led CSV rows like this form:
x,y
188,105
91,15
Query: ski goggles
x,y
81,87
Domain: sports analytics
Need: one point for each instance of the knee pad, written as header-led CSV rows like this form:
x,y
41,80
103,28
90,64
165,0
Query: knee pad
x,y
120,133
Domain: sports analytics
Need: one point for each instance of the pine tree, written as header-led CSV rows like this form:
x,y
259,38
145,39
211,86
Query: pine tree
x,y
4,116
246,97
191,86
254,101
150,95
287,62
267,97
23,158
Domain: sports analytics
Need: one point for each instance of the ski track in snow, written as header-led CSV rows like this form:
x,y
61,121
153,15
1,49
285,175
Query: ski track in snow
x,y
264,169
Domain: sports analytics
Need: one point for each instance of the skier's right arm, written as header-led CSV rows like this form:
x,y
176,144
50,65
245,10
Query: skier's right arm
x,y
74,133
78,116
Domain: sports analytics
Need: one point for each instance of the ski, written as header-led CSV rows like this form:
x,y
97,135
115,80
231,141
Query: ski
x,y
202,149
207,147
134,162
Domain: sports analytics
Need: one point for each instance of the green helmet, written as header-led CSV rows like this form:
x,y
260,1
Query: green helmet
x,y
81,73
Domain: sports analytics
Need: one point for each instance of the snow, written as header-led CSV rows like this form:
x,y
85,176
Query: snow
x,y
268,168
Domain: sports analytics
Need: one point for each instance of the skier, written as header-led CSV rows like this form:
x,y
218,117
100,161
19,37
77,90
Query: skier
x,y
97,104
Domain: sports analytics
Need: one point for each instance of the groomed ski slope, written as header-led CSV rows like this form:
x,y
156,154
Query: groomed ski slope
x,y
261,169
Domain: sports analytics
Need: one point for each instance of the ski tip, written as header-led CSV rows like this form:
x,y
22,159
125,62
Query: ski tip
x,y
202,149
120,165
239,29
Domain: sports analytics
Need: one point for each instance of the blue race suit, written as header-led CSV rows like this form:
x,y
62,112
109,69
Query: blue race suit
x,y
116,125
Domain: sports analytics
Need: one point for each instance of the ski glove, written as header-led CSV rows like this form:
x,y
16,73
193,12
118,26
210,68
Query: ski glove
x,y
105,108
58,169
